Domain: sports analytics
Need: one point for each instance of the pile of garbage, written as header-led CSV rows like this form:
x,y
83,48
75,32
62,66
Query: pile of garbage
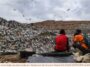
x,y
15,36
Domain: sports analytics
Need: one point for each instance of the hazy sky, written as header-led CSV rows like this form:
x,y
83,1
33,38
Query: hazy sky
x,y
38,10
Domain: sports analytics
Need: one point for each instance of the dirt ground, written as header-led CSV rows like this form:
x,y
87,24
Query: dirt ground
x,y
11,59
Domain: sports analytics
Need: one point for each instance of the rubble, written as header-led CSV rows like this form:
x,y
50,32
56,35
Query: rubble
x,y
15,36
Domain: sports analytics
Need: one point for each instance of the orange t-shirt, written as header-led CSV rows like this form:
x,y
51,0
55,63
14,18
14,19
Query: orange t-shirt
x,y
80,38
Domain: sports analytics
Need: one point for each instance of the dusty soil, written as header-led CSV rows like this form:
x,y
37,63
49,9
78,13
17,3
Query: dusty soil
x,y
11,59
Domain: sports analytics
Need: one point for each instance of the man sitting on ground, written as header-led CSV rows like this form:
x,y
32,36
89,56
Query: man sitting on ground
x,y
62,43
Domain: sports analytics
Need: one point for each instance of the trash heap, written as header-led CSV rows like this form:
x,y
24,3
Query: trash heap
x,y
15,36
43,43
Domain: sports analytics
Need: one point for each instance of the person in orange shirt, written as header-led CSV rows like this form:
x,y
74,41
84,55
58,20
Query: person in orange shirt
x,y
78,42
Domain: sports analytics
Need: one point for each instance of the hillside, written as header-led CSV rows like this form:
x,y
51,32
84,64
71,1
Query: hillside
x,y
67,25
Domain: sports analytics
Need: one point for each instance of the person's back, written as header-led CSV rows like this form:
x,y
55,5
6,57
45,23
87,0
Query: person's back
x,y
61,42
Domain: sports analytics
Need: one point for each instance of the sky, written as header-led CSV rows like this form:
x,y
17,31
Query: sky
x,y
27,11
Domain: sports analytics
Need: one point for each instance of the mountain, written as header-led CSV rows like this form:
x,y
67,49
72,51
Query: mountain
x,y
51,24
